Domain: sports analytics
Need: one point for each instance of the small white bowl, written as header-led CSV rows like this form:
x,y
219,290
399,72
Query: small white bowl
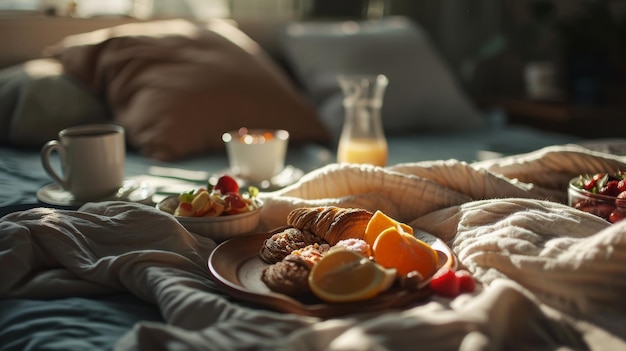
x,y
219,228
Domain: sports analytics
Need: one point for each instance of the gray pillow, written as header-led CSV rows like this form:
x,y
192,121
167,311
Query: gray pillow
x,y
423,94
37,100
176,85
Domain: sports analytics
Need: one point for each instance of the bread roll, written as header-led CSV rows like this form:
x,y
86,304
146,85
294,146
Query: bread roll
x,y
331,223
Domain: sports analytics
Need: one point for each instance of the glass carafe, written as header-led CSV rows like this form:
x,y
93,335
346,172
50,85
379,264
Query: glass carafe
x,y
362,138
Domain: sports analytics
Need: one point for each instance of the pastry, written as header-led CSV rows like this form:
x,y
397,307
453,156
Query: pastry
x,y
331,223
290,276
281,244
356,245
312,253
294,251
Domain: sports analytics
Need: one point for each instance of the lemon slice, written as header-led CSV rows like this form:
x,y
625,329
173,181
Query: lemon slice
x,y
346,276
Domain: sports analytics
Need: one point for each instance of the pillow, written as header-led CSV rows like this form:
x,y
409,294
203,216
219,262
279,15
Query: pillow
x,y
422,93
37,100
177,86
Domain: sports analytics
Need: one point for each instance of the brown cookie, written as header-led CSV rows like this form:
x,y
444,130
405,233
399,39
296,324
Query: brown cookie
x,y
289,276
281,244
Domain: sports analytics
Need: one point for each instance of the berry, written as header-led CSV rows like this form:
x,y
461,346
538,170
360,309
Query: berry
x,y
589,184
234,203
610,189
621,185
226,184
445,283
466,281
617,215
600,210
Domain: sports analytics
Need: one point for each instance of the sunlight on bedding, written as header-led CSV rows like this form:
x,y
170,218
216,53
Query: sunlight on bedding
x,y
41,68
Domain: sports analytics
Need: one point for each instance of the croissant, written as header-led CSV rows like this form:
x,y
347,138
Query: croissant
x,y
331,223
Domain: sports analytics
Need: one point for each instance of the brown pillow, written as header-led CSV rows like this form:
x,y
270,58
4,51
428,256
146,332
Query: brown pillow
x,y
177,86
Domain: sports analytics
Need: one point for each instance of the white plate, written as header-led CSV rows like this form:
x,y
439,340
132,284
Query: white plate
x,y
131,191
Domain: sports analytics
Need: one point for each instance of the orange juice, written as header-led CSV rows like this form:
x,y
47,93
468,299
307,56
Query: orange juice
x,y
371,151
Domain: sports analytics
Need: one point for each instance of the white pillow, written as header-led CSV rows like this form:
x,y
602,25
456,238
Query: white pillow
x,y
422,94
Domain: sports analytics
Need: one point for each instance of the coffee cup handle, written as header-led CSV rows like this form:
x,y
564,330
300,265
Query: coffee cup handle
x,y
47,150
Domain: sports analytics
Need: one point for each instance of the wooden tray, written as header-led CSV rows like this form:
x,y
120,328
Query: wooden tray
x,y
236,266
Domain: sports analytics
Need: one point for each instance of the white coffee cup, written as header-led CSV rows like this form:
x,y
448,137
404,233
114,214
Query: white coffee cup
x,y
92,160
256,155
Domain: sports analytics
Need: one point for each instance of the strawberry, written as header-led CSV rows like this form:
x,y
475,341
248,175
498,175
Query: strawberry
x,y
610,189
621,185
445,283
234,203
589,184
466,281
601,210
617,215
226,184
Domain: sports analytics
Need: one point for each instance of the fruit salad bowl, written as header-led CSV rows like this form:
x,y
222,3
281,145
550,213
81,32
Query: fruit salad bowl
x,y
601,194
218,211
218,228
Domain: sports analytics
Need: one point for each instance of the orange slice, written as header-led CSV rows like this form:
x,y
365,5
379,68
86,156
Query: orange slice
x,y
378,223
396,249
342,275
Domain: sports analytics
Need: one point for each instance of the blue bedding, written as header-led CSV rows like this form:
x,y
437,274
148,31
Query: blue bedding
x,y
21,173
74,323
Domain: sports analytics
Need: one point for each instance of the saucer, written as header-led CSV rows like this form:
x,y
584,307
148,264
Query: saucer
x,y
287,176
131,191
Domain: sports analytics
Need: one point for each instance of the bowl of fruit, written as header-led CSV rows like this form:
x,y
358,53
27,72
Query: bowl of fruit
x,y
220,212
602,194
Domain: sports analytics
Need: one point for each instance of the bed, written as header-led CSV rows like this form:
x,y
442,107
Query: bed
x,y
122,275
119,275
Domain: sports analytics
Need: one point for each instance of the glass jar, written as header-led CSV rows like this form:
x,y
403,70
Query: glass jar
x,y
362,138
